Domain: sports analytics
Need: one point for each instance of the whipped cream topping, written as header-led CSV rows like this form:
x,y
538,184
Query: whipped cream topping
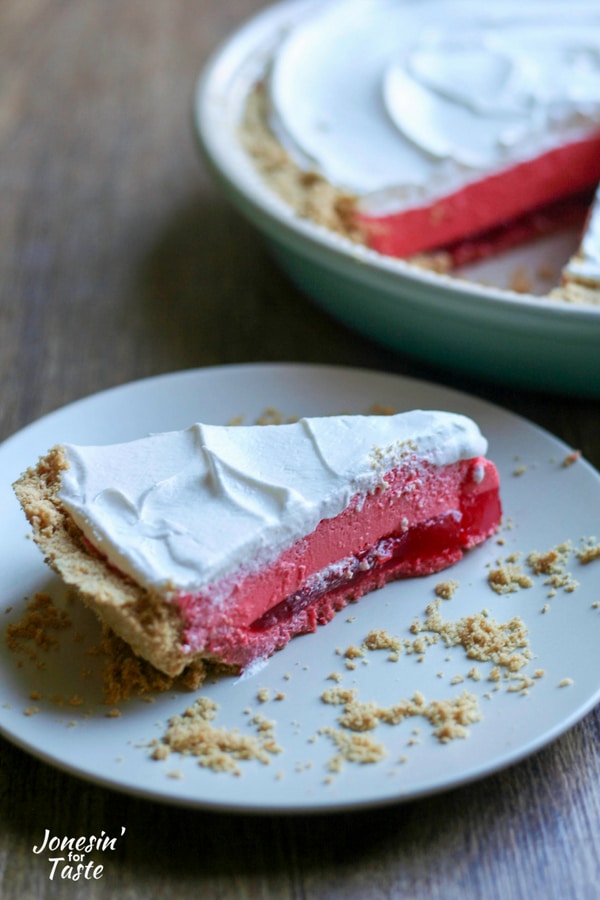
x,y
397,100
184,509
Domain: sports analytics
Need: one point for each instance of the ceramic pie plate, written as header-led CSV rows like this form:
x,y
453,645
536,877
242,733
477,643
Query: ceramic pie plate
x,y
51,705
476,326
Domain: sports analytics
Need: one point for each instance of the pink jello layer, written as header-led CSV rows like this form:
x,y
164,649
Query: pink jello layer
x,y
422,522
494,201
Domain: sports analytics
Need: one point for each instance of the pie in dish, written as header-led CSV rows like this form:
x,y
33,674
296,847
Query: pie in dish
x,y
220,543
440,132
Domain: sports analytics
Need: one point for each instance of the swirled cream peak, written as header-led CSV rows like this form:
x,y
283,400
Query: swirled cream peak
x,y
395,100
189,507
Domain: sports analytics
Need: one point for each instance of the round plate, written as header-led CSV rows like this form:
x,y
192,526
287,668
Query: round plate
x,y
545,505
488,331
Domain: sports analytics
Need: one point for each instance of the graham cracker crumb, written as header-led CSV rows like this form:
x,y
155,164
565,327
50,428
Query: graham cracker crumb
x,y
520,685
589,553
446,589
38,628
553,564
272,416
379,639
449,717
219,749
360,716
262,723
508,578
483,638
338,695
161,751
356,748
381,409
440,262
551,561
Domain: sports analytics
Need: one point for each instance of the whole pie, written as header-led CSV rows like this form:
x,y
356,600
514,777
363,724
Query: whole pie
x,y
440,132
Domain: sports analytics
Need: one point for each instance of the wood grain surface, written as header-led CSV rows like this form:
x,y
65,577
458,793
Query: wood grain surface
x,y
120,259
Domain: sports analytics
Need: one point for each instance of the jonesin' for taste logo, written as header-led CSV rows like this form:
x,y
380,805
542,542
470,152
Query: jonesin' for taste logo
x,y
68,856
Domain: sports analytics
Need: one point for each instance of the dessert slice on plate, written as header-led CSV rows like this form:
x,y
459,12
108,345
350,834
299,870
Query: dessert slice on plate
x,y
223,542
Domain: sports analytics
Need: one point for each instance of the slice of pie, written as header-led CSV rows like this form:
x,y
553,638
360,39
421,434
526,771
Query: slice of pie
x,y
223,542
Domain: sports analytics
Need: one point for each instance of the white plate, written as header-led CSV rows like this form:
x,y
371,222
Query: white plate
x,y
547,504
473,324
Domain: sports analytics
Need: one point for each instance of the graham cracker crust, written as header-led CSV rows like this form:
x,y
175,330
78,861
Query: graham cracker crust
x,y
144,619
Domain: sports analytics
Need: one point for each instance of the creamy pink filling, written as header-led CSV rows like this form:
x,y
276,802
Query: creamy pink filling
x,y
494,201
421,522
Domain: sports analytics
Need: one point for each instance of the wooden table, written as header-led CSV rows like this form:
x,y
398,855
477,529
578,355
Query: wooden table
x,y
120,259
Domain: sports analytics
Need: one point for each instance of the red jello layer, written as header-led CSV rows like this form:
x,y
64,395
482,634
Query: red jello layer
x,y
495,201
571,212
422,522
